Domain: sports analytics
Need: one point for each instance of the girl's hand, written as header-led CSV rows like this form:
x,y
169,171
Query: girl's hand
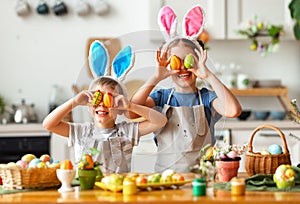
x,y
162,63
83,98
201,71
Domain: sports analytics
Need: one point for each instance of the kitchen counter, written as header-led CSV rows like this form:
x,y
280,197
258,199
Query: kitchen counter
x,y
183,195
29,129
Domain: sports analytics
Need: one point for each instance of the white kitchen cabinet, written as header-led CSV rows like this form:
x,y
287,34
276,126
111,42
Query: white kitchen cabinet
x,y
224,17
264,138
214,15
270,11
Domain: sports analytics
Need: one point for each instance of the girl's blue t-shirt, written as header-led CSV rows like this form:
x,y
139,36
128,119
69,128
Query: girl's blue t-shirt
x,y
160,97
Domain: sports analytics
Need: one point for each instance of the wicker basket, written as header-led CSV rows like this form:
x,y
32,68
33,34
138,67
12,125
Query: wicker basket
x,y
256,163
20,178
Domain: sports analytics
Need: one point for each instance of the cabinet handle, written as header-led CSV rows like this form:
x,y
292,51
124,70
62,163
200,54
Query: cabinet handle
x,y
269,135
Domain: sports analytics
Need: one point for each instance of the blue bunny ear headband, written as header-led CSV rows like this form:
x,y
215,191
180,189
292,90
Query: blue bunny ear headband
x,y
99,62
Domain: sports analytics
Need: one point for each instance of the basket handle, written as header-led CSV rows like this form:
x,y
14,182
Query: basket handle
x,y
285,149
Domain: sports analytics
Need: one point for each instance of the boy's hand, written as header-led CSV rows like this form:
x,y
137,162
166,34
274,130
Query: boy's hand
x,y
83,98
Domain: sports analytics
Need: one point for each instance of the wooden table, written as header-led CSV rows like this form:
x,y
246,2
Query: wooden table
x,y
182,195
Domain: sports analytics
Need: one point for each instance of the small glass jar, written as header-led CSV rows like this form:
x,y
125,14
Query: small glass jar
x,y
238,186
199,187
129,187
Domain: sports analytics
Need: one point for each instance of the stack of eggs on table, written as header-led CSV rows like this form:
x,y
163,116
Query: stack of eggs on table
x,y
31,161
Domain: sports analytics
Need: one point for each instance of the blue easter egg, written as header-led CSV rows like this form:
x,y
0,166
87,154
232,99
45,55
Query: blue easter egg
x,y
275,149
34,162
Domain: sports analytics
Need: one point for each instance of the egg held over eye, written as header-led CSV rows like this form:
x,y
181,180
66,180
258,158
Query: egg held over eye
x,y
175,62
189,61
97,98
108,100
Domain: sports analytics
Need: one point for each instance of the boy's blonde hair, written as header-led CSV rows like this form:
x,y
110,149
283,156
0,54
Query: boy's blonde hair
x,y
109,81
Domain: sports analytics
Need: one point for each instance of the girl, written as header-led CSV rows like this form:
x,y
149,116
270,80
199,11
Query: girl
x,y
191,112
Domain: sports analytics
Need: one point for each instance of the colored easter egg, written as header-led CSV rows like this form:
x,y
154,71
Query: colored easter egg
x,y
45,158
22,164
41,165
189,61
232,154
28,157
284,177
11,164
275,149
33,163
108,100
175,62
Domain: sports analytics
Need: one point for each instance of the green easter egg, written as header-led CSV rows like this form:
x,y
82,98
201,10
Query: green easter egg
x,y
189,61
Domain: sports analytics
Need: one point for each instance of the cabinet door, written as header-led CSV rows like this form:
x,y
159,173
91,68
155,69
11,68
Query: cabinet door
x,y
214,14
273,12
60,149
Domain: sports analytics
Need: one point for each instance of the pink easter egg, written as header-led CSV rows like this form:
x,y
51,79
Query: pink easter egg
x,y
22,164
232,154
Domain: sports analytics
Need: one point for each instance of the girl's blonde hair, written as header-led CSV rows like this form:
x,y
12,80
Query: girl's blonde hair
x,y
187,42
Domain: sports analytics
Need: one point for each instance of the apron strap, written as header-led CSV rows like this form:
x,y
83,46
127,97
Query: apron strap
x,y
200,97
170,95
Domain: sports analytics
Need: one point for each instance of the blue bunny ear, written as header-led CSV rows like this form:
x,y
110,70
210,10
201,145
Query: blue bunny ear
x,y
123,62
98,59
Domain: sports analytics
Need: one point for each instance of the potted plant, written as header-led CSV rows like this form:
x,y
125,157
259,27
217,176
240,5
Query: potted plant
x,y
294,8
88,170
265,37
221,161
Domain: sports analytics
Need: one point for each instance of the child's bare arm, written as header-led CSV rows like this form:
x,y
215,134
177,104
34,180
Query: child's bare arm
x,y
154,120
141,97
226,104
54,121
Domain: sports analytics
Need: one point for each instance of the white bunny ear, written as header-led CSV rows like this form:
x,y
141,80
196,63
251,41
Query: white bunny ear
x,y
99,59
167,22
193,22
123,62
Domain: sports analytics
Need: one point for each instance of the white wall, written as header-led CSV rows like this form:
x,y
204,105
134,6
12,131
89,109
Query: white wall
x,y
39,51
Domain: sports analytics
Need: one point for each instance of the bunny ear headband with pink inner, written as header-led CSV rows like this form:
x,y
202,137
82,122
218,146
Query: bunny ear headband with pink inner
x,y
193,23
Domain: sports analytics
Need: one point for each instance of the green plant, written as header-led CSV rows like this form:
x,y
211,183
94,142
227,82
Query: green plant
x,y
2,105
294,8
265,37
86,162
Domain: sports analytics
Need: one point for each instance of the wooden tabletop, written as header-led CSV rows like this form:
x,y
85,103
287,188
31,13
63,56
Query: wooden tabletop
x,y
182,195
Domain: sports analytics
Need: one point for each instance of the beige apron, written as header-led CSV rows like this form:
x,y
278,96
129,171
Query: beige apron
x,y
115,153
180,141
